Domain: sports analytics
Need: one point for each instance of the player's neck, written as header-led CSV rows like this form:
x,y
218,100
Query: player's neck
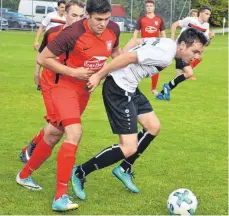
x,y
200,20
150,15
60,14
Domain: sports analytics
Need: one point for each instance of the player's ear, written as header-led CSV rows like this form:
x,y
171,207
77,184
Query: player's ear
x,y
182,45
87,14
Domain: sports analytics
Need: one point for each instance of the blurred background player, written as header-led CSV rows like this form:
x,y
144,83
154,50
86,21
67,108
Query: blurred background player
x,y
185,71
52,19
74,12
150,25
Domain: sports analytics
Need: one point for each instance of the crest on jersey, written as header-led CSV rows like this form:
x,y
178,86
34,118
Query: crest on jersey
x,y
109,45
156,23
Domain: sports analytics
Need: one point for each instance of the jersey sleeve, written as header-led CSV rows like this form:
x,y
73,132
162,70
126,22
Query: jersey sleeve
x,y
162,26
64,42
139,25
116,30
44,42
46,20
184,22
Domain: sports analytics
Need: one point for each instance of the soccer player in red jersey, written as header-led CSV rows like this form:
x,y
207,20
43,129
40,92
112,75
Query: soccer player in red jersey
x,y
150,25
87,44
74,12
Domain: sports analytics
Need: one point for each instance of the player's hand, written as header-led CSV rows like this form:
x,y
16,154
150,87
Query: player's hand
x,y
211,35
37,78
82,73
93,82
36,45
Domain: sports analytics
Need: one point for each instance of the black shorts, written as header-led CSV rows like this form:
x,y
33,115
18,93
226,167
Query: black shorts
x,y
123,107
180,64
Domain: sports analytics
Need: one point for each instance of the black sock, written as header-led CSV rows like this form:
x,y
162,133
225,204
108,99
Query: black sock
x,y
144,139
105,158
174,82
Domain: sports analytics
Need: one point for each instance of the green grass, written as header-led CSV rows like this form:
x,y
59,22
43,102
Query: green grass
x,y
191,150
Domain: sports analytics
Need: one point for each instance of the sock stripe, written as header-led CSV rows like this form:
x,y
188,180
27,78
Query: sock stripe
x,y
106,150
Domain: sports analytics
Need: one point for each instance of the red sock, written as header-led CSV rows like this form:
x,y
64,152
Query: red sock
x,y
36,139
65,163
41,153
154,81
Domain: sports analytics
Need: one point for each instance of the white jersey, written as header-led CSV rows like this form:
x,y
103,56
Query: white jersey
x,y
153,55
193,22
53,19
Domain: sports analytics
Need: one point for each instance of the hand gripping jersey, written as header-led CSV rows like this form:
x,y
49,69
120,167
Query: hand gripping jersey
x,y
154,54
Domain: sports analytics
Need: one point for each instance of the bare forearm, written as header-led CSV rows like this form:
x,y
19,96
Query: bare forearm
x,y
173,31
135,34
53,65
119,62
132,43
39,31
163,34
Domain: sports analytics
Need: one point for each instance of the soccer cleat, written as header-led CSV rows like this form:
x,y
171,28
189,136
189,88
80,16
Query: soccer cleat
x,y
160,96
167,90
64,204
25,156
78,185
125,178
27,183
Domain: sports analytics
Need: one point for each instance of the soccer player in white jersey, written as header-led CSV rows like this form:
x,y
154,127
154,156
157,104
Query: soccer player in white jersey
x,y
184,70
51,20
126,106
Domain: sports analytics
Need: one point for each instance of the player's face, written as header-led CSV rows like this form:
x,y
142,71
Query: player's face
x,y
74,14
61,9
205,15
191,53
150,7
194,14
98,22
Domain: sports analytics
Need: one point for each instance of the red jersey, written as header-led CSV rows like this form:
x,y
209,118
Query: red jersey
x,y
150,27
84,49
49,36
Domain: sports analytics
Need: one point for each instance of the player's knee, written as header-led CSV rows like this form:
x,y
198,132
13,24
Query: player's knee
x,y
74,136
129,150
154,128
52,137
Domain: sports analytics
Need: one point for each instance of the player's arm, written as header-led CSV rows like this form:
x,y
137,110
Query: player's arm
x,y
132,43
174,29
135,34
162,29
36,42
163,34
137,29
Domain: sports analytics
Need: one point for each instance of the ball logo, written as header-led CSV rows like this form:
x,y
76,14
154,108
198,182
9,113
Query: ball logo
x,y
150,29
95,63
156,23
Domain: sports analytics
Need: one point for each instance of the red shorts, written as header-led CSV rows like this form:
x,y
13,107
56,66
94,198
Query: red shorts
x,y
69,98
46,85
195,63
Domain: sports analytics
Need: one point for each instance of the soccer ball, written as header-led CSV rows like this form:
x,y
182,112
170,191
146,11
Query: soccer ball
x,y
182,202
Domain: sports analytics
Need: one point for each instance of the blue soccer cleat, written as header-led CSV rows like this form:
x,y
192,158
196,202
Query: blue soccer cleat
x,y
25,156
78,185
160,96
167,90
64,204
28,183
125,178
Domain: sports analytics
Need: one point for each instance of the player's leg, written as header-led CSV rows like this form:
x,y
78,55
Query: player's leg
x,y
27,151
154,80
151,127
41,153
122,116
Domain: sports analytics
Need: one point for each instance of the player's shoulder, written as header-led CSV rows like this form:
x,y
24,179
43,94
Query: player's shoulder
x,y
113,26
77,27
54,29
159,17
52,14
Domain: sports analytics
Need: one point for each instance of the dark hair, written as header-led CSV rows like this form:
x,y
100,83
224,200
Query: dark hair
x,y
203,8
149,1
191,35
74,2
61,2
98,6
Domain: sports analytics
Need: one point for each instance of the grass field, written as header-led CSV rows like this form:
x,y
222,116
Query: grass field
x,y
191,150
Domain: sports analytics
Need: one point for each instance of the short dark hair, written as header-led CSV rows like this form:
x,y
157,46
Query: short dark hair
x,y
61,2
203,8
192,35
74,2
98,6
149,1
